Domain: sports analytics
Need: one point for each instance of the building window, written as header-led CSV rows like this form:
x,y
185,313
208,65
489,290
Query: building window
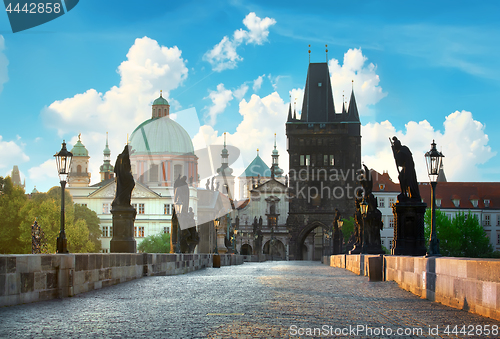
x,y
438,202
308,160
381,203
391,201
390,244
84,205
448,215
141,209
166,230
177,171
105,208
456,202
111,231
332,160
104,250
139,232
134,206
486,202
105,233
498,219
302,160
167,209
487,220
391,222
79,168
498,238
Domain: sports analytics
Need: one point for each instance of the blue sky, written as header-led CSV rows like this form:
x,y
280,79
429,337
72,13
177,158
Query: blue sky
x,y
421,70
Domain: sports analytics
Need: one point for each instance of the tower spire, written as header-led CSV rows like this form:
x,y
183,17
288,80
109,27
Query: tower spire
x,y
326,46
309,53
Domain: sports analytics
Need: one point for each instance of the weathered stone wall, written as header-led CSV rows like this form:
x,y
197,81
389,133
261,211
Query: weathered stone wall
x,y
28,278
464,283
469,284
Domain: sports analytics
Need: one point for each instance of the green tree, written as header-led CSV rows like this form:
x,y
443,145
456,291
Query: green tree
x,y
461,237
12,199
159,243
92,220
348,228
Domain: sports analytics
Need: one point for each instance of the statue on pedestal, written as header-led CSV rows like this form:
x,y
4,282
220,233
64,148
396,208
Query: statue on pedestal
x,y
409,210
123,213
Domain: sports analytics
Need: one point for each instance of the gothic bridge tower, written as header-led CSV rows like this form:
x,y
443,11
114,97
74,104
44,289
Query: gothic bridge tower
x,y
324,156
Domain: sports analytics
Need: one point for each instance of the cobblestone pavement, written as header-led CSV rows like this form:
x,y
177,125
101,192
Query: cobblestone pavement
x,y
254,300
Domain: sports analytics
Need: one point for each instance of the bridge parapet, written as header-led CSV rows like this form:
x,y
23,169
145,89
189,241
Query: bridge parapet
x,y
469,284
26,278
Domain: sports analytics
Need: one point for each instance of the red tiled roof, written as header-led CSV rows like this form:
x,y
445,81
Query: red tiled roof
x,y
446,191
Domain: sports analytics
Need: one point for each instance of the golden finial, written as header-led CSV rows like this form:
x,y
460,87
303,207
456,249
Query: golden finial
x,y
224,139
127,139
160,92
353,84
257,151
326,46
309,54
79,136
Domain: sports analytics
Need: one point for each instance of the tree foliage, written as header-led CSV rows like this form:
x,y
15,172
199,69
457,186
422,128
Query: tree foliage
x,y
159,243
461,237
348,228
18,213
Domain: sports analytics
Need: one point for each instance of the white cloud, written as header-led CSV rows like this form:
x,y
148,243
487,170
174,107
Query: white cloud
x,y
148,68
224,55
45,172
220,99
463,142
257,83
297,97
11,154
366,81
3,64
252,134
240,92
274,80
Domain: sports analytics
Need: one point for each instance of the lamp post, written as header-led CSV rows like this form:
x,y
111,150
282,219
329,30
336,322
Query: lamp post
x,y
216,225
63,162
433,159
340,222
364,211
235,233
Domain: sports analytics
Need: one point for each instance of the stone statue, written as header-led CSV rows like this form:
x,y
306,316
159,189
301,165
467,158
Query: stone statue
x,y
181,195
124,180
217,186
207,185
407,176
212,186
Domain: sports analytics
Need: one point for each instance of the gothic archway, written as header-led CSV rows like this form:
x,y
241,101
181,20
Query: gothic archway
x,y
309,241
246,249
274,251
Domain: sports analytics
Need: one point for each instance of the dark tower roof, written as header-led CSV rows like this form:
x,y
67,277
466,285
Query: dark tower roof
x,y
353,109
290,113
318,99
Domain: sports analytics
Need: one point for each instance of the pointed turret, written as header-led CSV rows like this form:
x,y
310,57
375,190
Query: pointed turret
x,y
79,175
318,99
353,109
106,170
225,173
289,113
276,171
441,176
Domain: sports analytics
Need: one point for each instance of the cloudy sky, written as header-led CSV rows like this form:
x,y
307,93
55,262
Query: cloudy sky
x,y
422,70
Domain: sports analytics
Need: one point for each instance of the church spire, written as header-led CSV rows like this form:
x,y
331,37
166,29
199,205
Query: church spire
x,y
289,112
224,169
276,171
106,170
353,109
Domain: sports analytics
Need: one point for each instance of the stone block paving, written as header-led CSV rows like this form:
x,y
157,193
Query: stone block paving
x,y
253,300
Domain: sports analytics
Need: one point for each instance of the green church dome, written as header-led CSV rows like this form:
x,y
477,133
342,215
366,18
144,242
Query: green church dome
x,y
160,101
161,136
79,149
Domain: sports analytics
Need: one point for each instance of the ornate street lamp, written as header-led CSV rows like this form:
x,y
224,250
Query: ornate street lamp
x,y
433,159
63,162
216,225
364,212
235,233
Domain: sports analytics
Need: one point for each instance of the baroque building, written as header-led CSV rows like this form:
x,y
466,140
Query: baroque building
x,y
324,150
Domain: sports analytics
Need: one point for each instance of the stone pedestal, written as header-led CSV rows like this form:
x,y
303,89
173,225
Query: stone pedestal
x,y
123,230
221,246
337,242
409,228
